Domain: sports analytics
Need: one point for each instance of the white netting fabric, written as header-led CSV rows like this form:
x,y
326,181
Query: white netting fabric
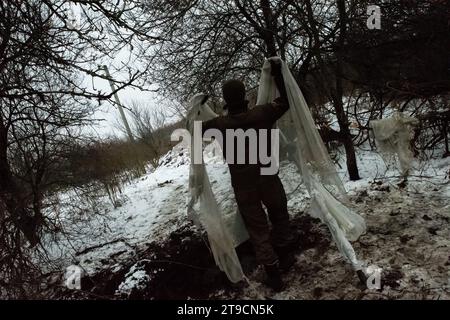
x,y
204,210
393,137
314,163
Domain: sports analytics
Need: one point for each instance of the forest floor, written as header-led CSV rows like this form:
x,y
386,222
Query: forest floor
x,y
148,249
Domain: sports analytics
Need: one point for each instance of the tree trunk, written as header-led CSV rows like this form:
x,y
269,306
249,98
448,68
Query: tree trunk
x,y
271,28
12,196
337,95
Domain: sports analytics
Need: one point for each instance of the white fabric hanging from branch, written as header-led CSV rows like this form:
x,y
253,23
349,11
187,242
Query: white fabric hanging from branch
x,y
393,136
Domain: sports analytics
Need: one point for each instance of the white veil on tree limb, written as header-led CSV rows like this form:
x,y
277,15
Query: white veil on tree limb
x,y
314,163
393,136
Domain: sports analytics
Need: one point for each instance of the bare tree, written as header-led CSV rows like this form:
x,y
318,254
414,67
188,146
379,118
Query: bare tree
x,y
326,43
213,40
45,58
147,124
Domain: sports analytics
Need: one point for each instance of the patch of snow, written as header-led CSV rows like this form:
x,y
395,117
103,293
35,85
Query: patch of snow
x,y
135,279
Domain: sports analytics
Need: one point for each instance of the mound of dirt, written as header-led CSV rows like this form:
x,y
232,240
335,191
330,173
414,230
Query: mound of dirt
x,y
183,268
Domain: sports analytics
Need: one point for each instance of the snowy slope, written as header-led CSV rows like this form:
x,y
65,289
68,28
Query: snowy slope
x,y
153,207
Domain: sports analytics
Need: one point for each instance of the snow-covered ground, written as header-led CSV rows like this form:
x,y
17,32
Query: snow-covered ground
x,y
408,230
407,238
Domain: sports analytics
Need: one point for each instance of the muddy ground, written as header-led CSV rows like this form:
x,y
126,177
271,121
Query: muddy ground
x,y
407,237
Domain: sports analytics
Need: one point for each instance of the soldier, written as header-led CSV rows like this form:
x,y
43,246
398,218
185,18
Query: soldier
x,y
251,188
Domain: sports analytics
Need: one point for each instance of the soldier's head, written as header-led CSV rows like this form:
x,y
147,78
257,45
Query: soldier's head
x,y
234,95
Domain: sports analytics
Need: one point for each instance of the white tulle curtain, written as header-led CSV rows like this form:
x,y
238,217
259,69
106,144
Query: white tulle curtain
x,y
393,137
203,208
313,161
311,157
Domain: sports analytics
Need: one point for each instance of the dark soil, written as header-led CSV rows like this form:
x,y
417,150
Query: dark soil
x,y
189,270
183,267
